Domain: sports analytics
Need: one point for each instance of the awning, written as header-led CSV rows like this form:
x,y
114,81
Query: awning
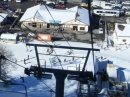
x,y
54,21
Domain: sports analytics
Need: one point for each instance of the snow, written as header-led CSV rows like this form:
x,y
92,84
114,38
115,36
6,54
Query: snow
x,y
38,88
3,15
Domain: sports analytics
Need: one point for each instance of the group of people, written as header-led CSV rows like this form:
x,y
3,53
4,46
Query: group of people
x,y
60,28
23,39
49,51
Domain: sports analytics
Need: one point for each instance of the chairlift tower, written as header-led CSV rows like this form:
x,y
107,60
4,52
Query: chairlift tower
x,y
60,74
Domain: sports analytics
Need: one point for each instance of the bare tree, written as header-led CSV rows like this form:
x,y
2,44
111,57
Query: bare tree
x,y
5,65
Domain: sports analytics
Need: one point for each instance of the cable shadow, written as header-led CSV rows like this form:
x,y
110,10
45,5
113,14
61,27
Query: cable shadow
x,y
26,59
31,57
28,62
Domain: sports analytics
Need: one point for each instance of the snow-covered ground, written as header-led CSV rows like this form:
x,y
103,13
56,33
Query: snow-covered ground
x,y
40,88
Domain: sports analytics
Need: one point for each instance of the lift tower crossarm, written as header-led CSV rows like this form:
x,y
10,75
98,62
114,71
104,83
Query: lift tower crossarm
x,y
62,47
62,71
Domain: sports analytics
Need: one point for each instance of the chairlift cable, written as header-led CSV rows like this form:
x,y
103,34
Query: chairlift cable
x,y
15,63
43,41
40,37
61,55
60,31
47,86
55,22
8,13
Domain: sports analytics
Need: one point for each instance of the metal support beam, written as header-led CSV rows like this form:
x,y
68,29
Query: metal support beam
x,y
85,63
62,47
60,84
0,67
61,55
60,71
38,62
51,70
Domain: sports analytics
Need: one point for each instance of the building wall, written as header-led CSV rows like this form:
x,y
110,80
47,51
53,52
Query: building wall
x,y
74,22
34,20
29,24
72,25
80,25
122,40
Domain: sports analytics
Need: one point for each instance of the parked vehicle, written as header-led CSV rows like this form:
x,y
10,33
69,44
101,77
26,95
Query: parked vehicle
x,y
122,12
40,2
1,8
104,12
50,1
5,0
126,2
101,30
127,13
16,14
18,1
85,1
63,1
51,5
96,7
5,5
84,5
101,22
107,6
10,10
60,5
126,7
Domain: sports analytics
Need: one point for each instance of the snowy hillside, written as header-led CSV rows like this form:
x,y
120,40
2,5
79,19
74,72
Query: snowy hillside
x,y
38,88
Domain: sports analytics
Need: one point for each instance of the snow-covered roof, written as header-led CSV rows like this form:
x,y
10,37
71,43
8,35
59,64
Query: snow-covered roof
x,y
8,36
41,13
60,15
2,16
122,29
30,12
83,15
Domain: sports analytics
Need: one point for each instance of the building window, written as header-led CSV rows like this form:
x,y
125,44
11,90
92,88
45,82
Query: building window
x,y
29,24
121,27
123,40
82,28
34,24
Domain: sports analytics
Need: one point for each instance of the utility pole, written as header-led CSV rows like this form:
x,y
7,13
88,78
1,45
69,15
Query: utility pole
x,y
0,64
106,33
0,68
